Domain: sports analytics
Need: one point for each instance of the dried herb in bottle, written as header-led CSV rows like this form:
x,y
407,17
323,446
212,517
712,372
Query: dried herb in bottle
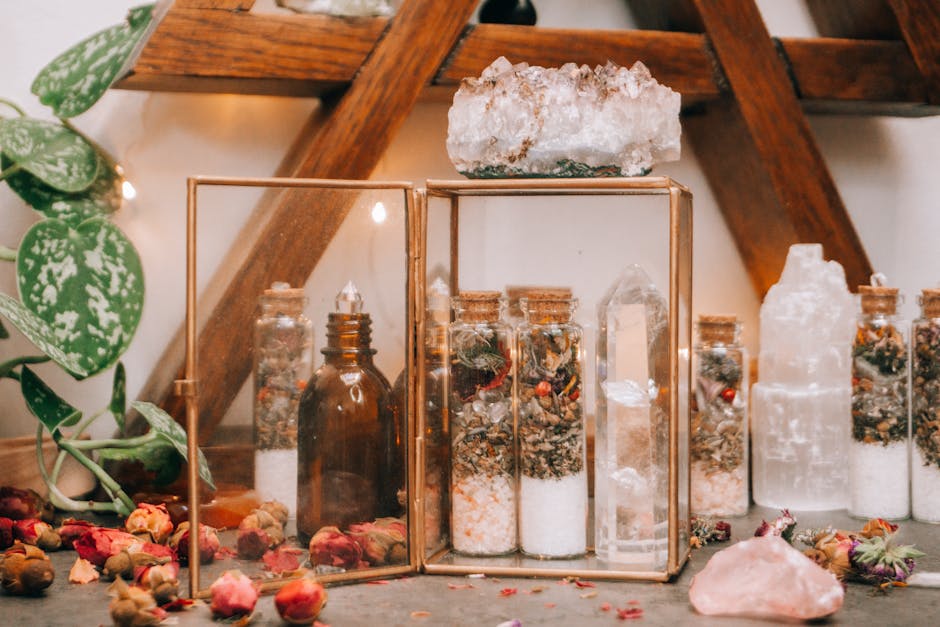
x,y
925,409
483,480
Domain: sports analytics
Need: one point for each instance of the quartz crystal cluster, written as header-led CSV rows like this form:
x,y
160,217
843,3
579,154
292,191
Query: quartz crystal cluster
x,y
801,404
346,8
530,121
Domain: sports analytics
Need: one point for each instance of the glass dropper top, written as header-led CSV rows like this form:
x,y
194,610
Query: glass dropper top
x,y
349,300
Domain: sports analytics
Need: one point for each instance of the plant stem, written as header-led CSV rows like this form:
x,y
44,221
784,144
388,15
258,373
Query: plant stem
x,y
122,501
6,368
13,106
11,170
7,254
93,445
57,468
84,424
56,497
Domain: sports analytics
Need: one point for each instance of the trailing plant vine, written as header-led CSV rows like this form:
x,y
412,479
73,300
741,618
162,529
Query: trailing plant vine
x,y
79,278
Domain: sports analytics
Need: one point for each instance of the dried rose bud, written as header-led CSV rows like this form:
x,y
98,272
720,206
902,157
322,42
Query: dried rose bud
x,y
877,527
6,533
722,531
25,569
152,521
99,543
133,606
276,509
233,594
19,504
162,580
299,602
258,532
382,542
332,547
125,563
208,543
71,529
34,531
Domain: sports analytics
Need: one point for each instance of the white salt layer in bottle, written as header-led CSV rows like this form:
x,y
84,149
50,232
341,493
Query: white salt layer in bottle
x,y
879,462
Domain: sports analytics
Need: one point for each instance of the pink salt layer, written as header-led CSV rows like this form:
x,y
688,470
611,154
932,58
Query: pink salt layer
x,y
765,577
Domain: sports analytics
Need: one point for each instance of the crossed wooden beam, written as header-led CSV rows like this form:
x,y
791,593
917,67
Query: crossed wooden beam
x,y
744,95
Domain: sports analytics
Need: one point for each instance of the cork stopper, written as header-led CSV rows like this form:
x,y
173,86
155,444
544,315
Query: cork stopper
x,y
478,306
877,299
930,302
718,328
283,299
543,305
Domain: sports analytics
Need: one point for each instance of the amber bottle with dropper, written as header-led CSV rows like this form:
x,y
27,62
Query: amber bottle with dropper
x,y
350,461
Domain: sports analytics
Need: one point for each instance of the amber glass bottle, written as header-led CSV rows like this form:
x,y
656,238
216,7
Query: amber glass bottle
x,y
350,462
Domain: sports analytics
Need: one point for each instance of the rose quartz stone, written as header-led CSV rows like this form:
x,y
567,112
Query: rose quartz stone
x,y
765,577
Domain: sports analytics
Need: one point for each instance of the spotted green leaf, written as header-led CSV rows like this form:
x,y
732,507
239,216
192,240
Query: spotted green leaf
x,y
51,152
77,78
167,428
102,197
49,407
86,283
119,396
40,333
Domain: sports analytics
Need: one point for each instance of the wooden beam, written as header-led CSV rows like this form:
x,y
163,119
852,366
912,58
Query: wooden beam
x,y
854,19
920,25
308,55
772,183
347,145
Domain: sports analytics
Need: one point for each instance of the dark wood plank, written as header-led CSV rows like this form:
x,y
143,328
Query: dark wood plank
x,y
920,25
347,145
774,189
854,19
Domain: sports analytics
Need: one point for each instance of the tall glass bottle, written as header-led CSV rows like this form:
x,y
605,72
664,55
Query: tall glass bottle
x,y
879,455
483,465
925,410
283,360
350,455
719,440
553,488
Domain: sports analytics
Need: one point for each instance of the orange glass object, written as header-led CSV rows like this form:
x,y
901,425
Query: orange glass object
x,y
228,508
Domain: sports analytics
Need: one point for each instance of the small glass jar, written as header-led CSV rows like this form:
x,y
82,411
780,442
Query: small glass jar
x,y
553,487
483,464
719,443
283,341
925,410
879,454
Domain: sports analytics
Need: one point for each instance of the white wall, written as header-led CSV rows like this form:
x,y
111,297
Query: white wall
x,y
883,167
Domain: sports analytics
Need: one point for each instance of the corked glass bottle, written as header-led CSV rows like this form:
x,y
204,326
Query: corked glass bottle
x,y
483,464
350,457
283,360
719,442
879,454
553,488
925,410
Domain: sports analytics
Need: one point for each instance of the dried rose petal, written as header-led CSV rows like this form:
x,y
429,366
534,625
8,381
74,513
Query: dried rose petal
x,y
282,559
83,571
331,547
99,543
877,527
38,533
629,613
300,602
150,520
233,594
71,529
508,592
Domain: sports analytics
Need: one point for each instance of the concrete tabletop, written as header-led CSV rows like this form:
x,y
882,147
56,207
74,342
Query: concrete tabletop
x,y
430,600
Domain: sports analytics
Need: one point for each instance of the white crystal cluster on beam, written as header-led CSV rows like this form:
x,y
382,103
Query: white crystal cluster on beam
x,y
522,120
345,8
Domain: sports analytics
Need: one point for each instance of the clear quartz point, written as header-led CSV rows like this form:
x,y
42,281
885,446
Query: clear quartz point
x,y
632,463
439,301
349,300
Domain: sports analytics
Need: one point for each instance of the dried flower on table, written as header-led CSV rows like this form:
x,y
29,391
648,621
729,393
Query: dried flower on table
x,y
125,563
258,532
6,533
783,526
276,509
300,602
133,606
71,529
151,522
25,570
97,544
162,580
38,533
383,542
83,571
282,559
18,504
331,547
705,530
233,595
208,543
879,560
